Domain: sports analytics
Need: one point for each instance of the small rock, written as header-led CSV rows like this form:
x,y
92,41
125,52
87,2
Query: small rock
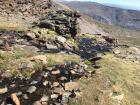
x,y
13,85
55,84
63,78
37,103
44,74
44,98
51,47
34,82
118,99
54,96
116,52
19,93
3,90
6,74
134,49
135,52
25,96
31,35
39,58
71,86
73,72
3,103
61,39
2,42
65,97
15,99
66,94
31,89
56,72
45,83
58,90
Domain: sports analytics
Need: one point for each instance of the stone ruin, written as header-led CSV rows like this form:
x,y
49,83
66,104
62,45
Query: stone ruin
x,y
63,22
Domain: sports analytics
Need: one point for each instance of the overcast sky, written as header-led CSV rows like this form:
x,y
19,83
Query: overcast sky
x,y
132,4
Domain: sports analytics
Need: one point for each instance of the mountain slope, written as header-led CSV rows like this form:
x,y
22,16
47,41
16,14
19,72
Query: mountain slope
x,y
50,61
111,15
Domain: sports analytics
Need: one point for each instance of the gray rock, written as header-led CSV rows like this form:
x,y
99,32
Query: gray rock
x,y
116,52
61,39
64,24
118,99
3,90
25,96
44,98
65,97
19,93
51,47
34,82
3,103
56,72
54,96
37,103
63,78
45,83
58,90
31,35
31,89
6,74
55,84
135,52
44,74
2,42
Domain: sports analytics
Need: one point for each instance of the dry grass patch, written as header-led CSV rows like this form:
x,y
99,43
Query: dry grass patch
x,y
12,24
61,58
9,25
11,60
126,75
90,36
95,91
125,79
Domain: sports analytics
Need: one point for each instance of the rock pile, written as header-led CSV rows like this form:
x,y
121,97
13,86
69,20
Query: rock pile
x,y
52,86
32,42
25,7
63,22
131,53
91,47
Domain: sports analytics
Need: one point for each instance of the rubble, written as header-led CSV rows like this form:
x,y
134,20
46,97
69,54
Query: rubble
x,y
63,22
58,87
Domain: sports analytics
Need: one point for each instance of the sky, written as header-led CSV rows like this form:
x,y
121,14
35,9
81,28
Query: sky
x,y
130,4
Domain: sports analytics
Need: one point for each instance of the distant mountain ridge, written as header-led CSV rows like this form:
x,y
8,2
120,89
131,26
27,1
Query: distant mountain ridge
x,y
107,14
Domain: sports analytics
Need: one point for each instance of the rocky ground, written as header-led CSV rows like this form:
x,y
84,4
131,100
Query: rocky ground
x,y
48,61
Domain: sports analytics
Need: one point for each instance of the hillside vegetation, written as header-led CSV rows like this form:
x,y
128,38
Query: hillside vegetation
x,y
52,55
